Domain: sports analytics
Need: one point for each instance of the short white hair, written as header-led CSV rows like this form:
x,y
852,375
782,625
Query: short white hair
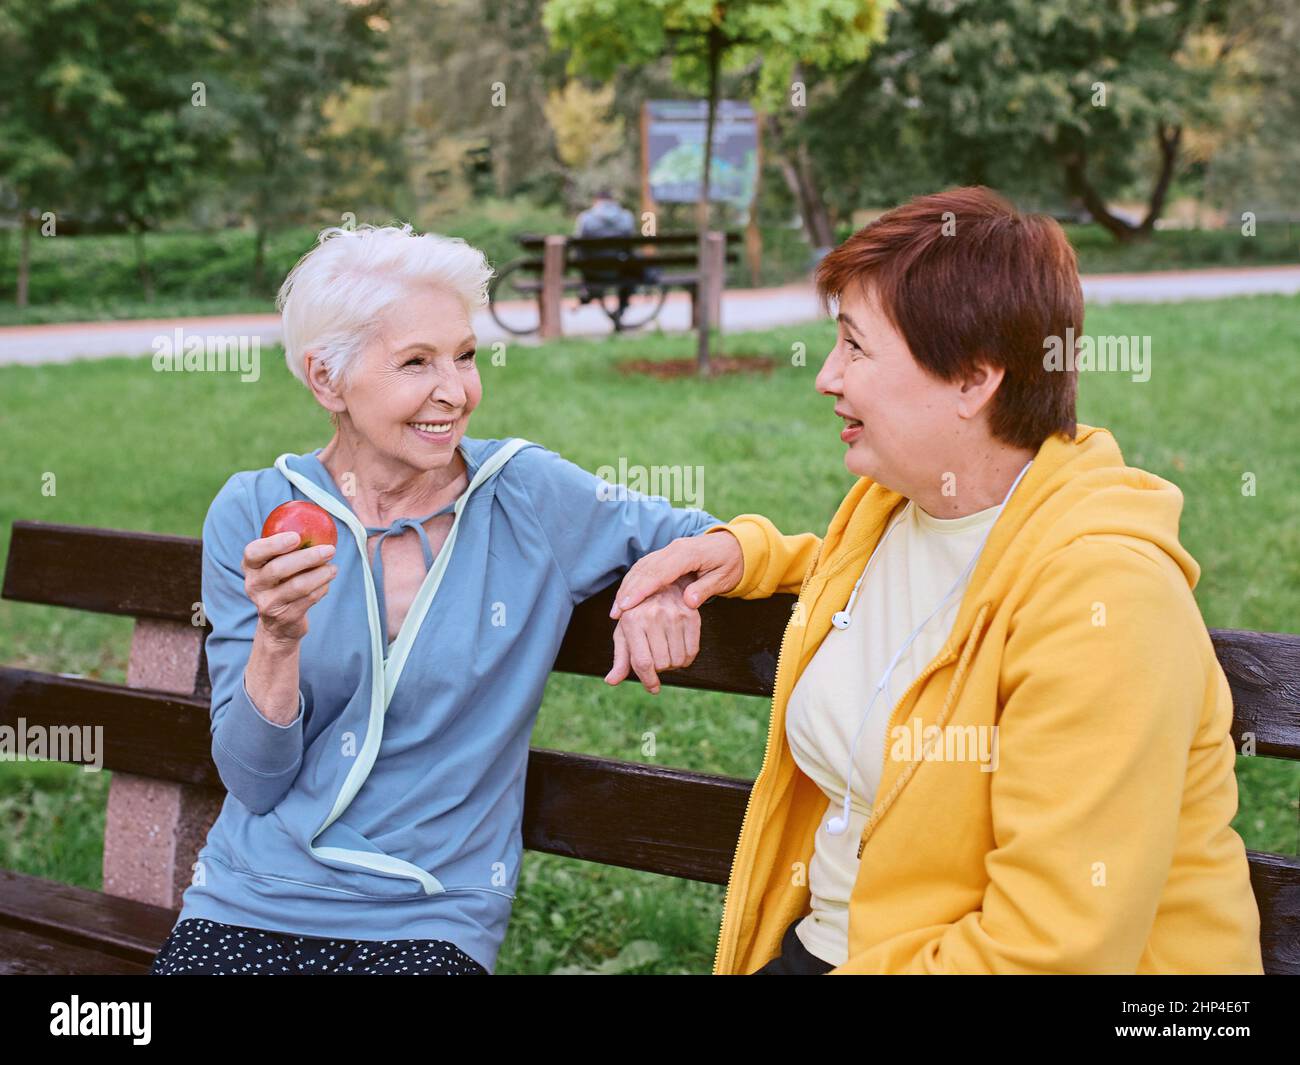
x,y
334,298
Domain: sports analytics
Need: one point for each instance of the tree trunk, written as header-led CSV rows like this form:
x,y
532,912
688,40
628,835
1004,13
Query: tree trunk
x,y
818,222
24,257
1169,142
801,179
702,300
1077,184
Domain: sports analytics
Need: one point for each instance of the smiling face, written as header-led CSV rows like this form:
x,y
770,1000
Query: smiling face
x,y
417,382
899,421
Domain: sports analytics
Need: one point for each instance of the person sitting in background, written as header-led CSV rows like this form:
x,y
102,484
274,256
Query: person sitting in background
x,y
606,217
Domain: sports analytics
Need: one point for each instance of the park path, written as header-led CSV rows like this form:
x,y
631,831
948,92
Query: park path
x,y
742,309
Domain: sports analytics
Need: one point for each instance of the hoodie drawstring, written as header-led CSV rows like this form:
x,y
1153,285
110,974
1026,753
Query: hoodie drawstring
x,y
385,531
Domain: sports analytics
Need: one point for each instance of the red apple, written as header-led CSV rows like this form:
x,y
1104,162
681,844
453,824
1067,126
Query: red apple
x,y
309,521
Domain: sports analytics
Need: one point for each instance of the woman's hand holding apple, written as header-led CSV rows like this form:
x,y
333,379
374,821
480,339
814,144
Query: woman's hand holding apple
x,y
284,581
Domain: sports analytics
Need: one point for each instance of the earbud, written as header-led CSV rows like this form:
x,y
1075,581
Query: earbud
x,y
842,619
836,826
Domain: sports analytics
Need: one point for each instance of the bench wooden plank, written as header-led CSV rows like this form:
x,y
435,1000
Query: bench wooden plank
x,y
536,241
577,285
53,911
600,809
738,643
27,954
147,575
149,733
652,818
47,927
80,568
1263,671
1275,879
631,265
132,574
687,281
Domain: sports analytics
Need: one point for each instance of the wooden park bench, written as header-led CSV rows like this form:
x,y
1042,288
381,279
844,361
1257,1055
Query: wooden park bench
x,y
165,792
555,265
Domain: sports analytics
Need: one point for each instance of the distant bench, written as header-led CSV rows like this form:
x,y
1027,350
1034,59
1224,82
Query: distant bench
x,y
165,792
555,265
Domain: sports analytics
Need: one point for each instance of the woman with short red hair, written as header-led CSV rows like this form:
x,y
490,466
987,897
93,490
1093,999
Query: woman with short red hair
x,y
1000,735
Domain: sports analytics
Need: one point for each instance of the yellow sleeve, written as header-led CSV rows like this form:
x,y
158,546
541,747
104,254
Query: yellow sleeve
x,y
774,562
1103,680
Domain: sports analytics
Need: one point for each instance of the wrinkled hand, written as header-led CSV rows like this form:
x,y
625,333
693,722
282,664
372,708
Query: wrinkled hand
x,y
713,561
284,581
660,633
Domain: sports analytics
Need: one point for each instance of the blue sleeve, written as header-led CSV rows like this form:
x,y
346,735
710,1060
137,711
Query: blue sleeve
x,y
256,758
597,529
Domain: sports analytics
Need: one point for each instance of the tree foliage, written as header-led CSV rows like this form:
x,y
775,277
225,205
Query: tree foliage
x,y
1091,98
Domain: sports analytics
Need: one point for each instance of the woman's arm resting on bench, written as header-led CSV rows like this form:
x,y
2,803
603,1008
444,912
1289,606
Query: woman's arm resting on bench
x,y
748,558
595,529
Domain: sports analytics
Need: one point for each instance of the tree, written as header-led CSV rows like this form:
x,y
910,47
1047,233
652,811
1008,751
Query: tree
x,y
288,62
1254,158
469,107
586,134
705,38
1090,96
95,112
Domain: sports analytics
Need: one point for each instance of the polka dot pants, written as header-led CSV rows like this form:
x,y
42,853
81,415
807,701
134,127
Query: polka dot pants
x,y
198,947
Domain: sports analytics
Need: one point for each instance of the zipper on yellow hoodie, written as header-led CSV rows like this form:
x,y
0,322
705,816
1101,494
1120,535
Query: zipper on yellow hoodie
x,y
943,659
767,747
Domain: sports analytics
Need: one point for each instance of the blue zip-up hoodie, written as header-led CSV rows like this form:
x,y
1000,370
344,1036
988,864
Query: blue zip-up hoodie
x,y
391,806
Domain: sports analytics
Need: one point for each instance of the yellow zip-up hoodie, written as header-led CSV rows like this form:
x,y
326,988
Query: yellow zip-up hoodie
x,y
1101,842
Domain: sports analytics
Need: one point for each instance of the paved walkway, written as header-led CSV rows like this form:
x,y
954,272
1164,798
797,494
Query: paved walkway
x,y
742,309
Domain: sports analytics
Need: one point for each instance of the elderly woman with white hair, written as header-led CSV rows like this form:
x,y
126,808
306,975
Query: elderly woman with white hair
x,y
375,760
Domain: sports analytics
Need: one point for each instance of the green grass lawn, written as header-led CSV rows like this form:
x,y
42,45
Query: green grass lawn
x,y
134,449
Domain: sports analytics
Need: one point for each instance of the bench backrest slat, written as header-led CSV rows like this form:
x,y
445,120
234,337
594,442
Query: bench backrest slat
x,y
536,241
632,266
105,571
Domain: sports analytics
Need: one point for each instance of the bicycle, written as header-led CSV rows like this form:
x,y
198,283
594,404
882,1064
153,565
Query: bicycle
x,y
514,295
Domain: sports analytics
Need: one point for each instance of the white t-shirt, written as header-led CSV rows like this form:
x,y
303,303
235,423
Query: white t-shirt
x,y
912,570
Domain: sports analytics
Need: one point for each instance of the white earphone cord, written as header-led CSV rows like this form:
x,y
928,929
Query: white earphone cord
x,y
837,826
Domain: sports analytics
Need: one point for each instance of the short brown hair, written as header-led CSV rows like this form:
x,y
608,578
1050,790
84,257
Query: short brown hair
x,y
965,277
